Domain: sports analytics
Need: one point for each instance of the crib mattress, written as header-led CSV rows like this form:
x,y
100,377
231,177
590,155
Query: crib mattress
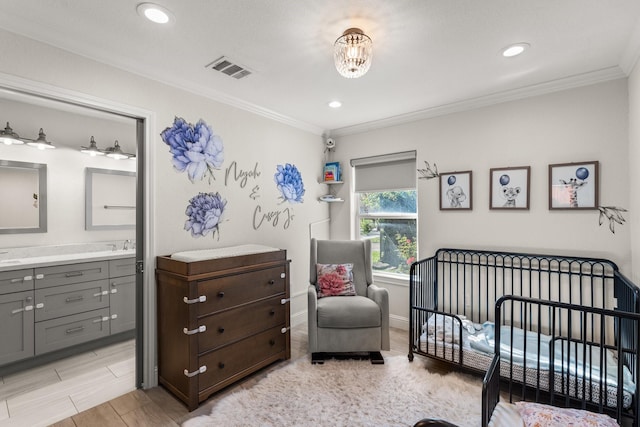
x,y
480,361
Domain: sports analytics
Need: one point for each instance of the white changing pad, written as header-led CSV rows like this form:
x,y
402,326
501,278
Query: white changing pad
x,y
204,254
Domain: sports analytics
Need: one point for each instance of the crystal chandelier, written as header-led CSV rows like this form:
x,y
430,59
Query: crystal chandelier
x,y
352,53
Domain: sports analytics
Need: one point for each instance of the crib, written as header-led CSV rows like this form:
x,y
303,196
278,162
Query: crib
x,y
453,316
581,374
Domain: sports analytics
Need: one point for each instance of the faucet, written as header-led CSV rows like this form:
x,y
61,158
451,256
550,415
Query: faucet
x,y
126,244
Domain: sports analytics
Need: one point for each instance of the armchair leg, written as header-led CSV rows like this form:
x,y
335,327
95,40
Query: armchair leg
x,y
317,358
376,358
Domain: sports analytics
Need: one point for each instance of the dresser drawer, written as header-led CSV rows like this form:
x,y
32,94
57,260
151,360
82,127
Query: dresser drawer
x,y
71,273
233,359
122,267
237,289
71,299
16,281
71,330
233,325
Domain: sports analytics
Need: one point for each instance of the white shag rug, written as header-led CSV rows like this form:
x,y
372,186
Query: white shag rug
x,y
350,393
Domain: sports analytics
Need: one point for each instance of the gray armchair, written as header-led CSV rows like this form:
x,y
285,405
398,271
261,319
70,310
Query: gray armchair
x,y
347,324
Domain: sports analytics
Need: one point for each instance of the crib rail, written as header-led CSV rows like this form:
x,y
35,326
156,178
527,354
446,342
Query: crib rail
x,y
594,384
467,283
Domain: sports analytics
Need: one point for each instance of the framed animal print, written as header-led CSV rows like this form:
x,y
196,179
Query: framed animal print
x,y
455,191
573,185
509,188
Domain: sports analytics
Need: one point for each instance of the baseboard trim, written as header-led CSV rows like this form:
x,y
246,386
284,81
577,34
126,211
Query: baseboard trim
x,y
398,322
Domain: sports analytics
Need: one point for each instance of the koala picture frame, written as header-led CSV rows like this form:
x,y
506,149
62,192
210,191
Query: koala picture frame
x,y
509,188
456,191
574,185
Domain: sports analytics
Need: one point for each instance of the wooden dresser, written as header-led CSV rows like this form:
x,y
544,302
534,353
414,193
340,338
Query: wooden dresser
x,y
220,319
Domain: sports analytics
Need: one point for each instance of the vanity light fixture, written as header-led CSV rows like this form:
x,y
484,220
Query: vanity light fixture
x,y
41,143
154,13
9,137
92,149
116,152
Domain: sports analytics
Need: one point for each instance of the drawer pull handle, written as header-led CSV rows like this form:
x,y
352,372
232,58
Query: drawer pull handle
x,y
74,274
28,278
283,275
201,298
194,331
20,310
200,370
74,299
74,330
114,291
220,294
284,330
221,329
39,276
101,319
221,365
40,305
283,301
272,342
100,294
271,282
272,312
114,316
18,279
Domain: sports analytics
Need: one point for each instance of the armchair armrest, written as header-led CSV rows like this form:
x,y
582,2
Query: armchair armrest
x,y
312,317
381,297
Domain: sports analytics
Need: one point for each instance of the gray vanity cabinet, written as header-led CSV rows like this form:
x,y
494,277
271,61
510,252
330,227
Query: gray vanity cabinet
x,y
16,315
122,294
16,330
44,309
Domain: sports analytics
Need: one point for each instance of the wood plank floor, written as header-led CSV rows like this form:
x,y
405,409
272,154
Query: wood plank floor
x,y
156,407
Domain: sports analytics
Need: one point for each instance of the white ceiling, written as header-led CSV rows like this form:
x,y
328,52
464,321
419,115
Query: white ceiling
x,y
430,56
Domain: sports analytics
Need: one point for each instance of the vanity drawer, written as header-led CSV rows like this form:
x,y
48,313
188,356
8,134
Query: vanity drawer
x,y
71,299
71,330
71,273
233,325
16,281
230,291
122,267
233,359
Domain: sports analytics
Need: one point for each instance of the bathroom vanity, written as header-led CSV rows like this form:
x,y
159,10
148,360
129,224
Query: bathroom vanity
x,y
52,304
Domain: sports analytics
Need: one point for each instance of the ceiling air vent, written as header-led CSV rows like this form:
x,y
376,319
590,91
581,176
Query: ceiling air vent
x,y
228,67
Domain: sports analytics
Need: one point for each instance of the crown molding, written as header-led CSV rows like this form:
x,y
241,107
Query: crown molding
x,y
632,51
565,83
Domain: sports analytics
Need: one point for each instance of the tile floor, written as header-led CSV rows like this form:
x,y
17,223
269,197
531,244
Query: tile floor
x,y
44,395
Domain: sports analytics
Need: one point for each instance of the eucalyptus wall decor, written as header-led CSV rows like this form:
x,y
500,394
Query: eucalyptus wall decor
x,y
428,172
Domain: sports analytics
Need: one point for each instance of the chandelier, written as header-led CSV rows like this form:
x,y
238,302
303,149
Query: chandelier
x,y
352,53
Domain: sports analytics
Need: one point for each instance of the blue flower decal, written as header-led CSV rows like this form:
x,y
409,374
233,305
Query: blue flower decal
x,y
195,149
289,182
205,213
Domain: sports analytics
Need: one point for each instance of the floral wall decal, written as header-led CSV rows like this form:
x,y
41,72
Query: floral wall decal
x,y
205,213
195,148
289,183
613,214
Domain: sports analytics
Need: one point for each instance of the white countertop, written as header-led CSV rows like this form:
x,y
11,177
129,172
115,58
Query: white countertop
x,y
61,259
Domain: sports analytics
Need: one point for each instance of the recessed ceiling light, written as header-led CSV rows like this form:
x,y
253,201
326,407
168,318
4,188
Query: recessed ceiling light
x,y
154,13
514,49
335,104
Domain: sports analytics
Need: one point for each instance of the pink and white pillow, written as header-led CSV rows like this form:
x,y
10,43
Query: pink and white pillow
x,y
335,280
539,415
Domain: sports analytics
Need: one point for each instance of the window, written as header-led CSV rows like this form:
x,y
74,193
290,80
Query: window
x,y
385,188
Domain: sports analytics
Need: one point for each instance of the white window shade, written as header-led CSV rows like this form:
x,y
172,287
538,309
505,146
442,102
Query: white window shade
x,y
387,172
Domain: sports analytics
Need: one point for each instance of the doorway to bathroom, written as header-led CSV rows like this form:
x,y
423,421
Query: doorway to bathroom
x,y
94,210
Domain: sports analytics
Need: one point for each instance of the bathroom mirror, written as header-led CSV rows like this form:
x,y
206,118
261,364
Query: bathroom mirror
x,y
110,199
23,191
